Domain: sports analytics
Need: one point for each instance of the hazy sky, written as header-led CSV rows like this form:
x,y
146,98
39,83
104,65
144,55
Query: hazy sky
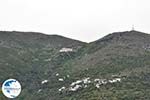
x,y
85,20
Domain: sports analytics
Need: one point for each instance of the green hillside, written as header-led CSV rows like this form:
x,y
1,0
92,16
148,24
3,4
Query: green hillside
x,y
52,67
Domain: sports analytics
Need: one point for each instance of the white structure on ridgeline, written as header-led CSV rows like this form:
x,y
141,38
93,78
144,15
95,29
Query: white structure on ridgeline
x,y
66,50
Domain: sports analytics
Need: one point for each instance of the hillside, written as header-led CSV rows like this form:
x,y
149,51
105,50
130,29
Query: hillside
x,y
51,67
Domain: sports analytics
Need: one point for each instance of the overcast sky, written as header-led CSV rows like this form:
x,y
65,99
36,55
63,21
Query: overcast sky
x,y
85,20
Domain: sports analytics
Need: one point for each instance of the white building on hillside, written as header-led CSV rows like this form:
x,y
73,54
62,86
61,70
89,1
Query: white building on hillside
x,y
66,50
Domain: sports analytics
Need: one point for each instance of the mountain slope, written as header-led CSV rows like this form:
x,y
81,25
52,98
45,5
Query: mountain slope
x,y
32,57
124,55
121,45
116,67
30,39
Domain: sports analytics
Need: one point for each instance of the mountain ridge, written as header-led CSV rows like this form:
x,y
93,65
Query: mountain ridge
x,y
132,32
115,67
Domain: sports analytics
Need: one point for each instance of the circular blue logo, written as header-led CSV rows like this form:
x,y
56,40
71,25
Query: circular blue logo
x,y
11,88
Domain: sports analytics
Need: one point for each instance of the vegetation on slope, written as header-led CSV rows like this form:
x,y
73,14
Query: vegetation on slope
x,y
34,57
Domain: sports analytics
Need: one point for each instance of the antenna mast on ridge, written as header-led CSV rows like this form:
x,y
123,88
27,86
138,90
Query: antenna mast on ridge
x,y
132,28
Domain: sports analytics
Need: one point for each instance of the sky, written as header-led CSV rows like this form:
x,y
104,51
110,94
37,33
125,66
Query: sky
x,y
85,20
